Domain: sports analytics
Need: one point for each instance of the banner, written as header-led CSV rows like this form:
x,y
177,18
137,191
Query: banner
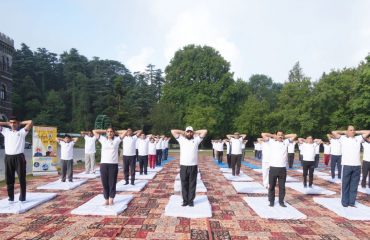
x,y
44,150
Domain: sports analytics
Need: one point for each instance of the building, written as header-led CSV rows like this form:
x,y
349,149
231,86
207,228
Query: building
x,y
6,80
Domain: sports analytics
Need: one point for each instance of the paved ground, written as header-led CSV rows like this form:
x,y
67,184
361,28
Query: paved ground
x,y
144,218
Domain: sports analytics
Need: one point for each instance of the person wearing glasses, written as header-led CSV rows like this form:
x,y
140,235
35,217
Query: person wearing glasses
x,y
14,141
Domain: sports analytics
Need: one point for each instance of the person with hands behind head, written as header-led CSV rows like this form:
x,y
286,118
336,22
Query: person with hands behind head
x,y
236,142
189,141
66,156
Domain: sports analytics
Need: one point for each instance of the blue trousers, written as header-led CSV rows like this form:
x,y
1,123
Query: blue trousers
x,y
350,181
335,161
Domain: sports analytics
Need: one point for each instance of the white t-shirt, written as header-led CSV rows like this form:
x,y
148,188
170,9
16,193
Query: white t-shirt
x,y
159,144
236,146
90,144
189,150
109,149
308,151
336,147
258,147
142,146
351,150
291,147
129,145
219,147
151,148
165,144
326,149
243,146
265,146
366,156
66,150
228,148
317,149
14,141
278,152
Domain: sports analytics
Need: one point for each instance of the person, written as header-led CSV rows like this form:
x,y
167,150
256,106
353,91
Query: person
x,y
38,152
152,152
165,147
90,151
317,155
129,153
66,156
228,152
265,161
255,149
278,144
351,163
158,148
109,162
366,163
142,144
236,141
50,152
291,149
326,153
189,141
259,151
308,147
219,147
335,156
14,142
243,149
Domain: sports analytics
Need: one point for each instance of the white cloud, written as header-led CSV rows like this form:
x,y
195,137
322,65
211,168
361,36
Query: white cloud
x,y
141,60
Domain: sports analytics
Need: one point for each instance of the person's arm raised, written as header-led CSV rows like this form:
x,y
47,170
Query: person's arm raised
x,y
301,140
243,136
364,133
98,132
201,133
338,133
268,135
75,139
138,132
122,133
229,136
291,136
176,133
28,124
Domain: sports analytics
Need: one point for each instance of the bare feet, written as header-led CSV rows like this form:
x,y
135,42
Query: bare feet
x,y
106,202
111,201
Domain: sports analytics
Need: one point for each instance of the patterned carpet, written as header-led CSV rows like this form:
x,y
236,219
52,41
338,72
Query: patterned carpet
x,y
144,218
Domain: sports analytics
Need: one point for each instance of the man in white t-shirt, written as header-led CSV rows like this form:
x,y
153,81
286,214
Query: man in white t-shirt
x,y
265,148
66,156
366,163
243,149
219,148
317,155
90,151
189,141
159,151
228,152
278,144
351,147
236,141
14,141
335,156
308,147
129,153
142,144
291,150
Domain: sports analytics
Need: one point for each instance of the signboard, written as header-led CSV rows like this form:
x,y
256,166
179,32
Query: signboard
x,y
44,150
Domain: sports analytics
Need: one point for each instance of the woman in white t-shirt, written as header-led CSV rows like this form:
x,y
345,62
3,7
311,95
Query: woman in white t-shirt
x,y
109,162
152,152
326,153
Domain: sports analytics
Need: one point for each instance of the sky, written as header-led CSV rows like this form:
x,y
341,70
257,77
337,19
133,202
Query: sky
x,y
256,37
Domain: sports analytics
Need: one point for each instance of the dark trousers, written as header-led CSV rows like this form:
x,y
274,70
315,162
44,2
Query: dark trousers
x,y
220,154
290,159
301,158
255,153
277,174
365,173
165,154
336,161
129,165
308,168
108,174
236,163
213,153
259,154
159,157
137,155
317,160
15,163
67,170
350,181
188,176
143,163
228,157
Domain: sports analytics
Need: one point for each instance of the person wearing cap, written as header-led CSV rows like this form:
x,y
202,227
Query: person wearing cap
x,y
189,141
351,163
278,144
14,141
129,153
236,141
